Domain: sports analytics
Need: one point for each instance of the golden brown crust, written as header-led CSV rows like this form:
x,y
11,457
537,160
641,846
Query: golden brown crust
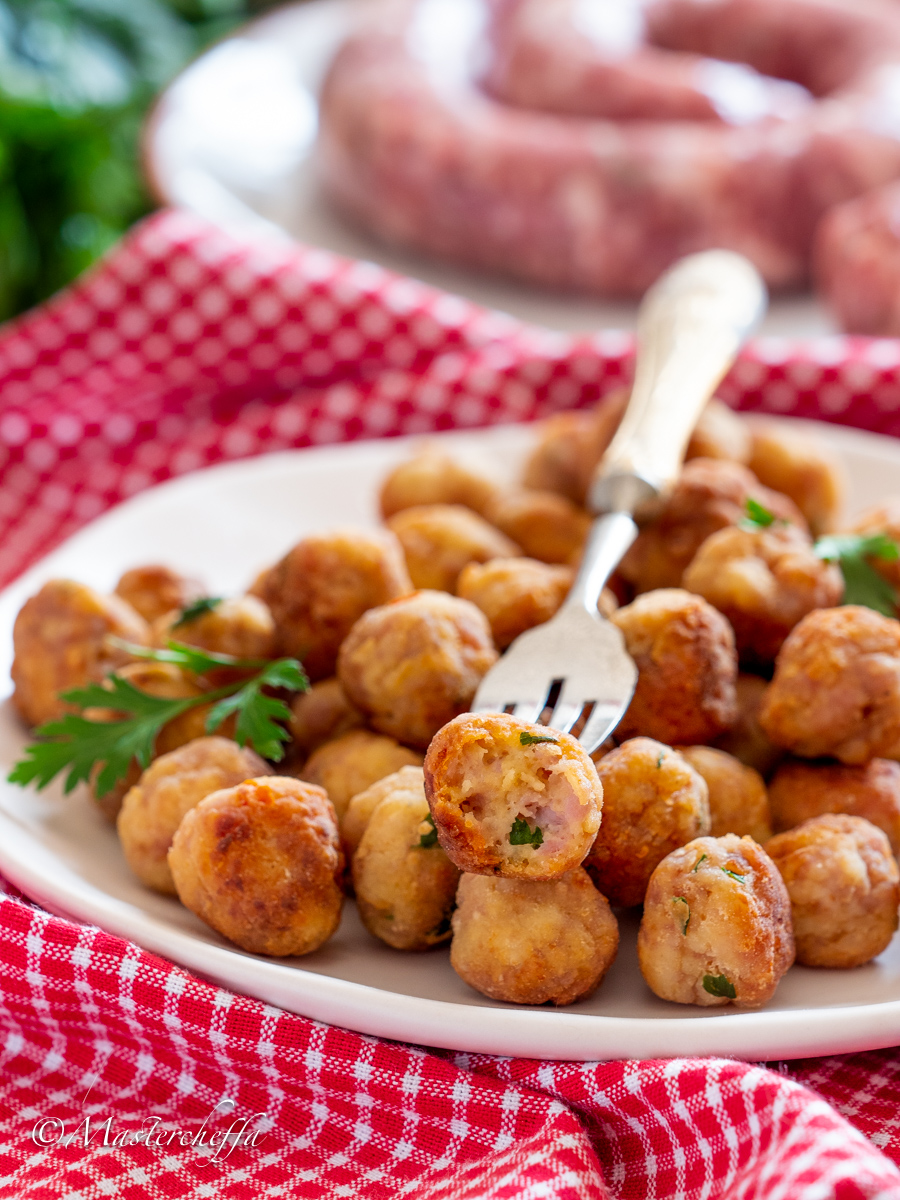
x,y
545,525
717,914
709,495
432,477
438,540
261,863
173,783
844,888
687,668
764,581
516,594
738,802
746,740
413,665
241,626
324,584
653,802
836,688
720,433
503,807
404,882
353,762
155,590
322,714
570,444
796,465
800,790
533,943
61,640
408,782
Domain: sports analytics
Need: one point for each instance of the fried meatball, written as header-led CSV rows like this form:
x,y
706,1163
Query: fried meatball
x,y
173,783
716,927
413,665
261,863
241,626
738,802
720,433
61,640
882,518
687,667
533,943
796,465
836,688
844,888
434,478
547,526
570,445
746,740
322,714
154,591
408,782
509,798
709,495
404,882
353,762
438,540
515,594
653,802
800,790
764,581
325,584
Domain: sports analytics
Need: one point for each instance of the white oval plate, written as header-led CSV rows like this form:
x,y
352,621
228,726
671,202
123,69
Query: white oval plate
x,y
227,522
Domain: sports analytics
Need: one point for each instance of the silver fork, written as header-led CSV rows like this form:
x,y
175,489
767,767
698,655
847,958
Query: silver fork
x,y
690,327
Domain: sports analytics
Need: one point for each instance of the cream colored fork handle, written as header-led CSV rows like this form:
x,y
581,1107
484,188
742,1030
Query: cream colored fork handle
x,y
691,325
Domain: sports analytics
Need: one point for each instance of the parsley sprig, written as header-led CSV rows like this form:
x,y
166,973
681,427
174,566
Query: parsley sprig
x,y
197,608
521,834
534,739
78,743
719,985
757,516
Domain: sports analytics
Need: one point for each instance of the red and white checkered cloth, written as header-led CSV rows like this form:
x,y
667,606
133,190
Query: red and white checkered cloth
x,y
124,1076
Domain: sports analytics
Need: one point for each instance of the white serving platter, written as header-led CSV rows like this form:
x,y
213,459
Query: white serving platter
x,y
224,524
233,139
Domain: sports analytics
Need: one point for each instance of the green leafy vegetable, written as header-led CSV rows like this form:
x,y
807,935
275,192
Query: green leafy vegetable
x,y
719,985
204,605
862,582
80,743
686,920
522,834
660,760
733,874
757,517
701,859
532,739
430,838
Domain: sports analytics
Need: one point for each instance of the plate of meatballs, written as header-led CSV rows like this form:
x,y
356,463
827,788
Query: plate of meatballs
x,y
239,733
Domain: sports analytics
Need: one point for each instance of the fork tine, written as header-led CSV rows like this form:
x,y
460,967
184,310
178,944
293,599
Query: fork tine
x,y
600,724
529,710
565,715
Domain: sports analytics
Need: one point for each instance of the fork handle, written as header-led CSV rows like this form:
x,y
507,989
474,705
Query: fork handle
x,y
691,325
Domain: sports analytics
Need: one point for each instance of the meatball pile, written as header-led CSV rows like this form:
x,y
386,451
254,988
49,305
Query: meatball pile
x,y
749,799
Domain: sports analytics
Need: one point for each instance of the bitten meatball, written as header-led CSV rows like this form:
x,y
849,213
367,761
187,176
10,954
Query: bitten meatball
x,y
171,786
844,888
882,518
514,594
533,943
764,581
322,714
325,584
434,478
687,667
716,927
653,802
154,591
746,740
261,863
836,688
404,882
241,626
796,465
509,798
408,783
570,444
413,665
800,790
548,527
438,540
61,640
720,433
353,762
709,495
738,802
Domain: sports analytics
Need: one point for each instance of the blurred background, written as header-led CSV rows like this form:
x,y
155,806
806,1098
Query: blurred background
x,y
76,79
